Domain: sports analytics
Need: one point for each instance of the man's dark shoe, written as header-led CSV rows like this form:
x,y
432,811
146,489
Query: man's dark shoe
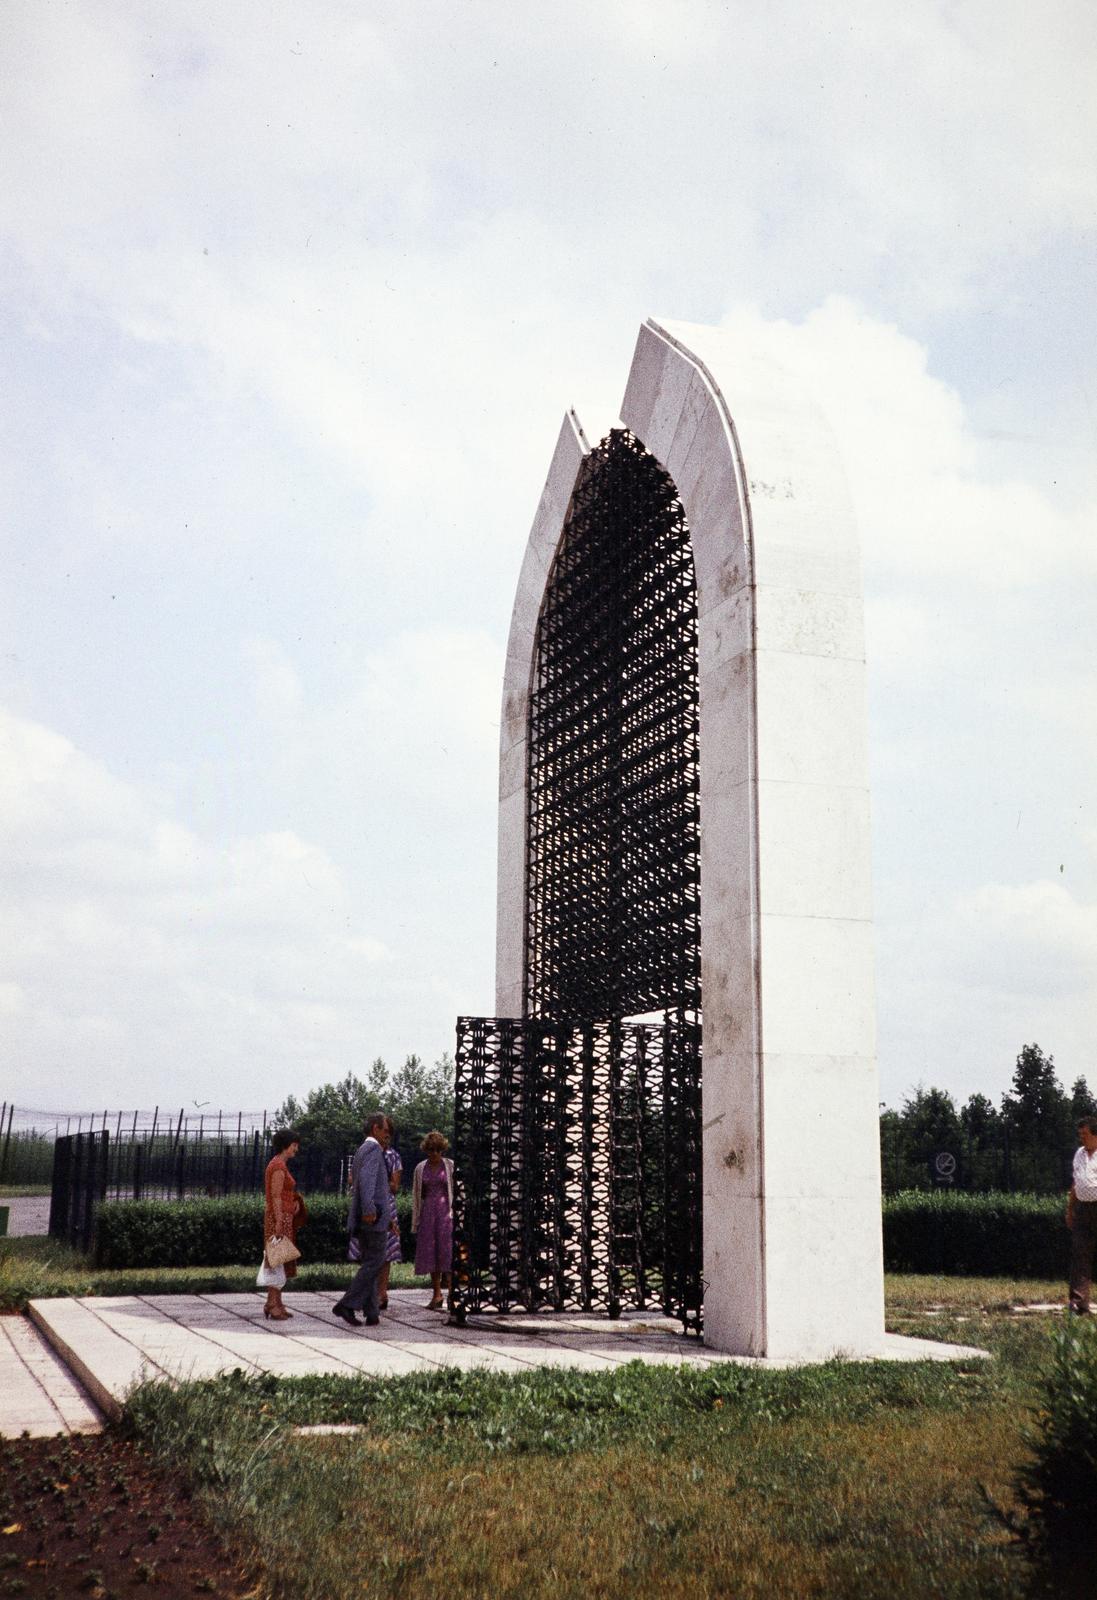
x,y
346,1315
372,1322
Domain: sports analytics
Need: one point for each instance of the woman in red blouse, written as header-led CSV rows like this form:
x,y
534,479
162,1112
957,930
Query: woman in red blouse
x,y
285,1210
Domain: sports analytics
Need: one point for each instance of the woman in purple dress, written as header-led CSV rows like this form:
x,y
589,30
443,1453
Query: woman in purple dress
x,y
432,1215
392,1252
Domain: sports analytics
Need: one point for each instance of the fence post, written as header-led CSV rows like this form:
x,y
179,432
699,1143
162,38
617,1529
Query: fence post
x,y
76,1188
138,1155
59,1193
96,1196
7,1142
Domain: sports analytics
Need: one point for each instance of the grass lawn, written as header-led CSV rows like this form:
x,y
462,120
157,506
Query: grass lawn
x,y
871,1480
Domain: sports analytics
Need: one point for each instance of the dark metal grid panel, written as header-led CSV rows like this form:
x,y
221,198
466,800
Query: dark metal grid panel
x,y
578,1182
613,836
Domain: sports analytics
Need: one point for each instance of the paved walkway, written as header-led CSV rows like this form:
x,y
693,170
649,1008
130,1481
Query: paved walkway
x,y
113,1343
28,1214
38,1394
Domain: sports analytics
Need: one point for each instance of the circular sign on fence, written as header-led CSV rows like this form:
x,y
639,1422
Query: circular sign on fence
x,y
943,1166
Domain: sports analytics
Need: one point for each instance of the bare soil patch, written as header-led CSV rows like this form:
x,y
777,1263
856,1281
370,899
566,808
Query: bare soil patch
x,y
92,1516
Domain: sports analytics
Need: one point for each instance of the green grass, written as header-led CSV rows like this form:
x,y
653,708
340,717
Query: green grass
x,y
12,1191
871,1480
40,1268
915,1294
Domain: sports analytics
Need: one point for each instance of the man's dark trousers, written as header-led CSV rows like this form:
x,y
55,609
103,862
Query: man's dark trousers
x,y
362,1294
1083,1238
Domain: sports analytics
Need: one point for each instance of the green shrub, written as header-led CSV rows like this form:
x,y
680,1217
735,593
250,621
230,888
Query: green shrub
x,y
943,1232
991,1235
216,1233
1059,1484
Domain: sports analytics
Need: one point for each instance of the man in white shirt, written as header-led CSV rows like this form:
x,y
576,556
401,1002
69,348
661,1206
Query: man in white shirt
x,y
1082,1215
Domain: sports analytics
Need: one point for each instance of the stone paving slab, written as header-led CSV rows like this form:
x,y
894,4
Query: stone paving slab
x,y
113,1343
38,1393
28,1215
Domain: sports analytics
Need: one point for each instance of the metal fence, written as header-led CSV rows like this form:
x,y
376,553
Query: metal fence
x,y
90,1168
1001,1162
27,1133
79,1183
93,1167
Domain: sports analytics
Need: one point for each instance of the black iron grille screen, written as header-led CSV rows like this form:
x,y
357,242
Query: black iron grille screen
x,y
613,871
578,1132
578,1159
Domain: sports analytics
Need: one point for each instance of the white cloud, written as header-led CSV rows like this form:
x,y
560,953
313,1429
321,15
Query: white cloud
x,y
924,504
1039,934
130,942
299,294
971,978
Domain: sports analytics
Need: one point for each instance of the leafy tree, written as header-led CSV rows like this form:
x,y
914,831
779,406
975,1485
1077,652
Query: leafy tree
x,y
979,1119
377,1081
931,1121
417,1098
927,1123
331,1117
1037,1110
1025,1145
421,1098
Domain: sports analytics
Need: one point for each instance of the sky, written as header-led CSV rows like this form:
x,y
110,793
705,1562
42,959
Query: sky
x,y
293,298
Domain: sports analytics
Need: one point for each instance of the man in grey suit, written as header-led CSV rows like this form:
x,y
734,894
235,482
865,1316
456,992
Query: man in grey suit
x,y
371,1210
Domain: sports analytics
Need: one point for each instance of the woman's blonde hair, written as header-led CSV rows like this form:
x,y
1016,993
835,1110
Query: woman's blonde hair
x,y
434,1141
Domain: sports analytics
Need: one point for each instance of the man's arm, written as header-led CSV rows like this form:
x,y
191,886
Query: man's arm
x,y
367,1184
1071,1197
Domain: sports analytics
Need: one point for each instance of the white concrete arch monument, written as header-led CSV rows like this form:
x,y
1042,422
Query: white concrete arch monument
x,y
791,1174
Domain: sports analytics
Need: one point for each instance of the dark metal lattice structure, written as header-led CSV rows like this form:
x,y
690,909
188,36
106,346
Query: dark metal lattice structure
x,y
577,1190
578,1127
613,837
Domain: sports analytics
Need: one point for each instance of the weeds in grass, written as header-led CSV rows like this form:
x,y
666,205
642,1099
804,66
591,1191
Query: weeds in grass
x,y
1059,1481
845,1480
551,1412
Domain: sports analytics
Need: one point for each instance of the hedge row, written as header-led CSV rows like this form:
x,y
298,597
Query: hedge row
x,y
981,1235
976,1235
220,1233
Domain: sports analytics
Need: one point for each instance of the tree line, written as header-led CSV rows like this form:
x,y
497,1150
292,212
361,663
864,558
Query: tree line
x,y
1026,1142
416,1096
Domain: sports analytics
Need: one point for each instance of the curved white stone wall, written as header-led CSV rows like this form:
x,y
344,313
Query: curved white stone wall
x,y
793,1259
548,526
